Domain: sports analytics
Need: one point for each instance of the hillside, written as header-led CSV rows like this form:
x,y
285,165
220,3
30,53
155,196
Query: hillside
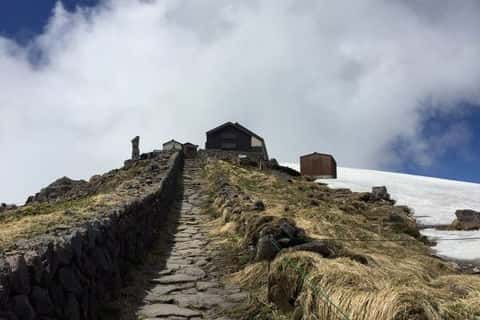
x,y
174,238
434,202
67,203
361,257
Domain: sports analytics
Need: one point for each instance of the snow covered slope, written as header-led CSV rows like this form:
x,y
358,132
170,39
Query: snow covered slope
x,y
433,200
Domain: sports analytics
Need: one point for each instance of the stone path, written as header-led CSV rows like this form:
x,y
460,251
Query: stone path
x,y
188,286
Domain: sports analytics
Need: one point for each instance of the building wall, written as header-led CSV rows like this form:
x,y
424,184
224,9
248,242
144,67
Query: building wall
x,y
228,138
322,166
256,142
232,155
172,146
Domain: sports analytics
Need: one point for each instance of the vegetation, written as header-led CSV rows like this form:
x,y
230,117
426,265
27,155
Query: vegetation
x,y
42,217
396,278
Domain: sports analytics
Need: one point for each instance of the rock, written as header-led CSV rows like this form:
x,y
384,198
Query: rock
x,y
72,309
100,256
20,278
194,272
176,279
326,249
259,205
204,285
199,300
267,248
168,289
284,242
63,253
41,301
22,308
380,194
167,310
3,297
62,189
467,220
360,259
288,228
69,280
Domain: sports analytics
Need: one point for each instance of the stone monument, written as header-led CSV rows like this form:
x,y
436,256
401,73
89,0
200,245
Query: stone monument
x,y
136,148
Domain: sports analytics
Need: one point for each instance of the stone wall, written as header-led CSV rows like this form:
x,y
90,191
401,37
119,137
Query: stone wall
x,y
232,156
71,274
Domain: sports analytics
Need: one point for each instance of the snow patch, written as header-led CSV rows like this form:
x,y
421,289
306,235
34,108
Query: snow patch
x,y
464,249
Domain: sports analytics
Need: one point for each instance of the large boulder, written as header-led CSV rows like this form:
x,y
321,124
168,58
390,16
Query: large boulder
x,y
62,189
270,235
467,220
267,248
378,194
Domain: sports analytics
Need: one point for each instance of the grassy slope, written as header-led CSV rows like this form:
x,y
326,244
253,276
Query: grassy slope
x,y
39,218
400,281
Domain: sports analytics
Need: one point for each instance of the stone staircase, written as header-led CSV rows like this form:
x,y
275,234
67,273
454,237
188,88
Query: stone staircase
x,y
188,285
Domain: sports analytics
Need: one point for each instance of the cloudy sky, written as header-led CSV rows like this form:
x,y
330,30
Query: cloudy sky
x,y
380,84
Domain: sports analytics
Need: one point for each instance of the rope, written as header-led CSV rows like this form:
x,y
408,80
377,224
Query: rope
x,y
398,240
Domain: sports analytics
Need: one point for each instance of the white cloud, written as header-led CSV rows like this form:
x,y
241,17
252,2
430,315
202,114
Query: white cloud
x,y
347,77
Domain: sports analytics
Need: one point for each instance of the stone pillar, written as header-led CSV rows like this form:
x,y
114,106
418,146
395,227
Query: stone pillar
x,y
136,148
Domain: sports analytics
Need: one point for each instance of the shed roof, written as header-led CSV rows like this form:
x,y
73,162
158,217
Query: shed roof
x,y
190,144
318,154
172,141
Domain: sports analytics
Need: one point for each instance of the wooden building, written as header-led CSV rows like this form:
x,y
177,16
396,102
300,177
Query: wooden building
x,y
172,145
190,150
235,137
319,165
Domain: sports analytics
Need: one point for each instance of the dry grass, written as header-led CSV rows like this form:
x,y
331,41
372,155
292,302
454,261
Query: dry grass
x,y
401,280
32,220
39,218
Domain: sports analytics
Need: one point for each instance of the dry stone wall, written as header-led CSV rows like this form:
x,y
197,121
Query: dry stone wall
x,y
69,275
232,156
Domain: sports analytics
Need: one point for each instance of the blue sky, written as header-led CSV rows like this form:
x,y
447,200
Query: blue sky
x,y
460,160
307,76
23,19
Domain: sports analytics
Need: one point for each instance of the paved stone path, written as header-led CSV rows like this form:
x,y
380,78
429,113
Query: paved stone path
x,y
188,285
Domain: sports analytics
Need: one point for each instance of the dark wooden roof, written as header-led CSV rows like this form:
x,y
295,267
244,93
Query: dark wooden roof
x,y
190,144
237,126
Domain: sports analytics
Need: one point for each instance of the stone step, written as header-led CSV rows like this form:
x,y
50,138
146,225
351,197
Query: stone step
x,y
159,310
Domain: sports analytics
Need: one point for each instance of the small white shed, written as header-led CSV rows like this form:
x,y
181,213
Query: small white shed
x,y
172,145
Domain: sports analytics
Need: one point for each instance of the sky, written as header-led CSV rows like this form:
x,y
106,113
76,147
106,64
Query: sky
x,y
390,85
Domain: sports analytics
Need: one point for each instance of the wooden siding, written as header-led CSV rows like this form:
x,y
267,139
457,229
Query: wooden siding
x,y
228,138
318,165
